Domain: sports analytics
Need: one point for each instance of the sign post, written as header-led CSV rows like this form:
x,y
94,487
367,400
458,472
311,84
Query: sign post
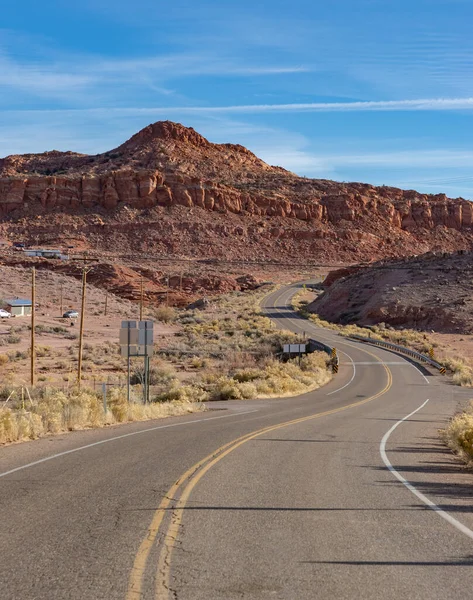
x,y
136,339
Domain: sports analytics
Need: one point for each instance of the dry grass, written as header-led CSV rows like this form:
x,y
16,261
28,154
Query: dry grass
x,y
459,434
416,340
52,411
462,372
225,352
230,348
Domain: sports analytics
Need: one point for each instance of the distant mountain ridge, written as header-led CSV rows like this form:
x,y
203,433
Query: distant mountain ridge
x,y
170,174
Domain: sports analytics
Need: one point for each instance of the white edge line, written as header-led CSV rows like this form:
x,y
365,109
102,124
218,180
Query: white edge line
x,y
407,362
352,377
353,346
411,488
341,351
418,370
119,437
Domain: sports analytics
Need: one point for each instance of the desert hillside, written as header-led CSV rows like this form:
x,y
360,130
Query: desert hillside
x,y
170,192
429,292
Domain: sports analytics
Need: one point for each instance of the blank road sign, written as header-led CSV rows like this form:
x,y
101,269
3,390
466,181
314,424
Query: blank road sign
x,y
129,335
145,336
136,338
294,348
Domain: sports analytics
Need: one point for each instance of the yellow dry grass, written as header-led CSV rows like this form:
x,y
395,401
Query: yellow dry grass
x,y
416,340
459,434
54,411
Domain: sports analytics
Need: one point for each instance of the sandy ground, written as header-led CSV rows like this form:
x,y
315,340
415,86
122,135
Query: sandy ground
x,y
57,351
458,345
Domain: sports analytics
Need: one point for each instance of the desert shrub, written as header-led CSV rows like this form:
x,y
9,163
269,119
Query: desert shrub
x,y
161,374
52,411
225,388
462,373
13,339
459,433
45,329
314,361
166,314
16,425
197,362
5,392
18,355
463,378
42,351
247,390
183,393
246,375
4,358
77,409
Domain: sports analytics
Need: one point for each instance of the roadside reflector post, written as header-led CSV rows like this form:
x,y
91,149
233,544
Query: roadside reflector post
x,y
334,361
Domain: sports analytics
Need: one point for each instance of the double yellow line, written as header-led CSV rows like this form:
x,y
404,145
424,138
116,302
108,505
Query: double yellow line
x,y
187,482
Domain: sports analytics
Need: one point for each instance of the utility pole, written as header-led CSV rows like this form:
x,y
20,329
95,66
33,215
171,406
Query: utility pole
x,y
141,298
62,297
167,290
81,332
84,259
33,302
106,302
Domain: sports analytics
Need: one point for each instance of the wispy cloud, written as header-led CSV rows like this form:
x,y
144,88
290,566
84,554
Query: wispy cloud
x,y
40,79
425,104
89,79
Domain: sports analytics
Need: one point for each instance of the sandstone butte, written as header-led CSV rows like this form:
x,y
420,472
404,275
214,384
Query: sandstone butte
x,y
170,191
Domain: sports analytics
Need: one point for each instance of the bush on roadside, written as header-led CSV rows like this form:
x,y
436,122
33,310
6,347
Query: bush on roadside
x,y
459,434
52,411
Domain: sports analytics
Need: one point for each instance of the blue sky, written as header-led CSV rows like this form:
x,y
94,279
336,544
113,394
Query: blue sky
x,y
374,90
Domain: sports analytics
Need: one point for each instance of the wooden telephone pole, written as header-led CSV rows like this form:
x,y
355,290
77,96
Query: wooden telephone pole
x,y
33,302
82,318
85,270
141,298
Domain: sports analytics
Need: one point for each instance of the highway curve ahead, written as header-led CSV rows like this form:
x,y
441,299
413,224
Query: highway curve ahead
x,y
345,492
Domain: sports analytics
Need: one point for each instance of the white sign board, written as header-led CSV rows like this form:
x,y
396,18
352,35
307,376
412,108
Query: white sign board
x,y
294,348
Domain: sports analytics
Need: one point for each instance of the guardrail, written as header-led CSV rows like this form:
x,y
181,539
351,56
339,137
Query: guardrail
x,y
402,349
314,345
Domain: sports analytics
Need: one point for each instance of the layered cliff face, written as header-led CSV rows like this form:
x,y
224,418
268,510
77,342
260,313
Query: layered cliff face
x,y
431,292
173,168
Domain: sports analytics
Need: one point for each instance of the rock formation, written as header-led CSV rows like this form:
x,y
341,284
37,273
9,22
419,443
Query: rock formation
x,y
430,292
167,167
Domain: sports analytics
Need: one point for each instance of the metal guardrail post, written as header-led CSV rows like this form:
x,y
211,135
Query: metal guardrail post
x,y
402,349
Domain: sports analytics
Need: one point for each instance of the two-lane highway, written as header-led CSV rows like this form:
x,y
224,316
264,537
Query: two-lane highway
x,y
322,495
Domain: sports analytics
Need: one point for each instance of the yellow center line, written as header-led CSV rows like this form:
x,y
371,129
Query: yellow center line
x,y
135,582
164,562
192,477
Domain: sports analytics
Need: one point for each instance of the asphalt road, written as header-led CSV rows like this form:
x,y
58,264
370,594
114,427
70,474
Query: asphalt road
x,y
330,494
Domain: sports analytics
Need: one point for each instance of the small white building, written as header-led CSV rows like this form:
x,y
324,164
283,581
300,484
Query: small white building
x,y
19,307
46,253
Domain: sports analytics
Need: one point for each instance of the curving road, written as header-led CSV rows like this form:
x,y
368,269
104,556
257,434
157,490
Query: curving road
x,y
344,492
